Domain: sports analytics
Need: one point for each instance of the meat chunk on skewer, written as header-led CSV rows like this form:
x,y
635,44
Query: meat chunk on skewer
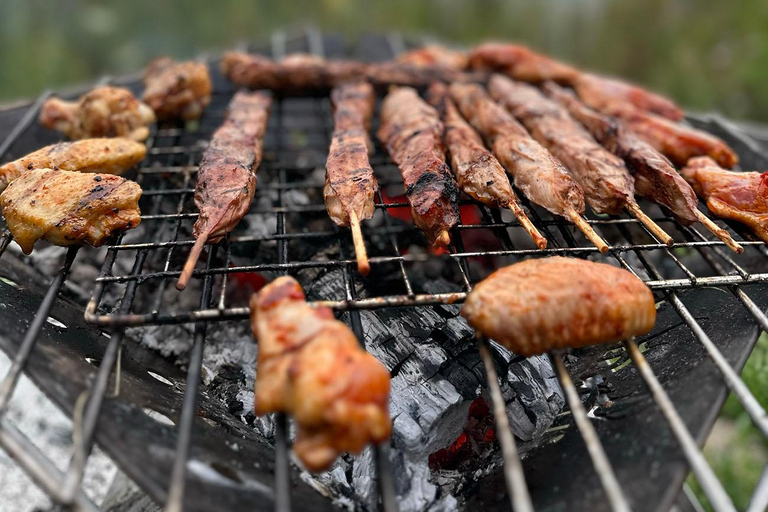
x,y
477,171
739,196
412,132
312,367
102,112
543,304
435,56
226,178
69,208
177,90
111,156
349,180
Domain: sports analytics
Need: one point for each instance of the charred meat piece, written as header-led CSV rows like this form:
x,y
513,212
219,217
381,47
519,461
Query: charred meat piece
x,y
435,56
69,208
226,178
312,367
177,90
102,112
739,196
412,132
543,304
111,156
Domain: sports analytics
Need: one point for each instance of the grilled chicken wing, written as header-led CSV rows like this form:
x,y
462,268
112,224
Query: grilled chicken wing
x,y
312,367
177,90
226,177
102,112
542,304
111,156
739,196
435,56
412,132
69,208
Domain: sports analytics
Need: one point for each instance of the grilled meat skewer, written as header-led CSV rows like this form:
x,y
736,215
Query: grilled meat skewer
x,y
312,367
607,184
111,156
542,304
536,172
177,90
69,208
349,180
412,132
435,56
102,112
477,171
226,178
739,196
655,177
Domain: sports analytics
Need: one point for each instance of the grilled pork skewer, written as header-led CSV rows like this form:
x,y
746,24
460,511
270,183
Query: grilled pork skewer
x,y
102,112
435,56
739,196
111,156
607,184
349,180
69,208
226,178
655,177
177,90
412,132
312,367
542,304
477,171
536,172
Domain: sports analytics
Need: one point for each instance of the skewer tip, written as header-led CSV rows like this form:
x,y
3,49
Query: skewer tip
x,y
587,230
528,226
635,211
443,238
363,265
189,266
720,233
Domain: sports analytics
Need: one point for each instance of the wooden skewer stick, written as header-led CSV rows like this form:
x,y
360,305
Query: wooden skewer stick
x,y
363,266
636,212
189,266
443,239
720,233
585,228
528,226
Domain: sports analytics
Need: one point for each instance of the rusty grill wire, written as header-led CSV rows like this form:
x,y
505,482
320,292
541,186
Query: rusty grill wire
x,y
173,154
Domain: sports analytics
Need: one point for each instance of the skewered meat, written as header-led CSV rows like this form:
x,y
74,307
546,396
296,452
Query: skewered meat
x,y
177,90
604,94
102,112
226,178
112,156
542,304
412,132
477,171
435,56
312,367
740,196
69,208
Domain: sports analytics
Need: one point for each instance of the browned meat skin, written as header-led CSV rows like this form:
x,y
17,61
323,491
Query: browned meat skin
x,y
102,112
412,132
69,208
606,182
655,177
226,178
435,56
536,172
177,90
312,367
739,196
538,305
349,181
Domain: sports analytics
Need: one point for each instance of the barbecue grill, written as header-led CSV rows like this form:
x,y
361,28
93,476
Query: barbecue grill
x,y
636,412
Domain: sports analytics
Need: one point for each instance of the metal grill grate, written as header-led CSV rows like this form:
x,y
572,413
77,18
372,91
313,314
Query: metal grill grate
x,y
298,138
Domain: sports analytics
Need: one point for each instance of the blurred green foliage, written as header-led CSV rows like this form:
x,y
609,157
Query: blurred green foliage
x,y
708,54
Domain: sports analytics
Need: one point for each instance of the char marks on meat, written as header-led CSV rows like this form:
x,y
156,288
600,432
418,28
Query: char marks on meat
x,y
177,90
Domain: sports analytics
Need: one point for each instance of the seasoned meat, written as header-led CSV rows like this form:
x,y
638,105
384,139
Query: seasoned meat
x,y
102,112
412,132
543,304
111,156
435,56
226,178
69,208
177,90
312,367
739,196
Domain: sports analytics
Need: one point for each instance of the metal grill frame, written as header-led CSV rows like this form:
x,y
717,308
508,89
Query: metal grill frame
x,y
65,488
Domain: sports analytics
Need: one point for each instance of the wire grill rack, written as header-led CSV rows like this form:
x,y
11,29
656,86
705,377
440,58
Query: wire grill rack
x,y
302,126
